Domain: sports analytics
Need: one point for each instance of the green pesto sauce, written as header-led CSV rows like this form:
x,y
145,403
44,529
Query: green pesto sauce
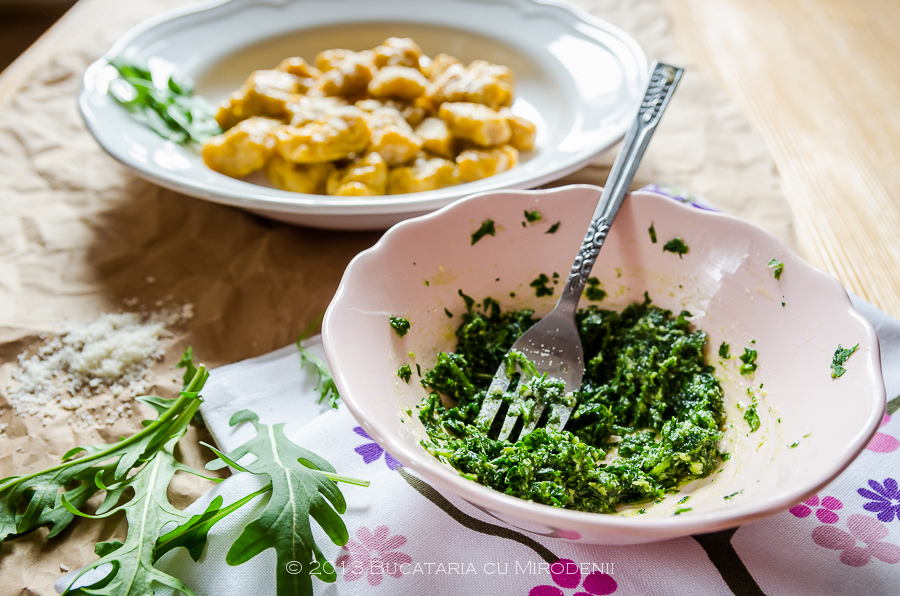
x,y
532,216
777,268
677,246
593,290
839,359
752,418
400,325
487,228
540,286
749,361
649,414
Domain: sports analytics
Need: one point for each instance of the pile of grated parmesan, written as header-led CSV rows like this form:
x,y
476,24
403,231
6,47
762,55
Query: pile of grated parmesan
x,y
110,353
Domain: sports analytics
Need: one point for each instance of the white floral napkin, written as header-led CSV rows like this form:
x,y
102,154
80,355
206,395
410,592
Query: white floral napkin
x,y
408,538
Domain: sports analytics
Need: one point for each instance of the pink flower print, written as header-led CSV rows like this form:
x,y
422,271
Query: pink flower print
x,y
885,500
372,451
566,573
882,443
862,528
825,509
373,555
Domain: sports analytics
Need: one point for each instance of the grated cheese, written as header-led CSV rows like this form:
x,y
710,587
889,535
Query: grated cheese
x,y
109,354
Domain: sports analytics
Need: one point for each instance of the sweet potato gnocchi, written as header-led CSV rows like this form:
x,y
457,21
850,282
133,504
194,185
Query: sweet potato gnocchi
x,y
388,120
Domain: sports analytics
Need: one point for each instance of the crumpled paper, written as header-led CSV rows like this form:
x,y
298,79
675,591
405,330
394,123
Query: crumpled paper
x,y
81,235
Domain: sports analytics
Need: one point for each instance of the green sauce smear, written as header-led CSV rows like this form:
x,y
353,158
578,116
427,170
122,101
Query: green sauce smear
x,y
487,228
677,246
593,290
841,355
400,325
649,413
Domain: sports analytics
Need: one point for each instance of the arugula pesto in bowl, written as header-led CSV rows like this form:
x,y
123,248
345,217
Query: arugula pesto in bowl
x,y
687,424
648,419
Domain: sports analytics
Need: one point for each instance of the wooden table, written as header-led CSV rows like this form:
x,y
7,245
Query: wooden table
x,y
820,81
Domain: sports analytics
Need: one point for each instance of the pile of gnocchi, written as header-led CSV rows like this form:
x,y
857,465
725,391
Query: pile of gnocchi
x,y
384,121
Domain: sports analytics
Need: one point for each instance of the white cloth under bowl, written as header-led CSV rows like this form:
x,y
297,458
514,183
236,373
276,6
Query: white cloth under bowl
x,y
438,544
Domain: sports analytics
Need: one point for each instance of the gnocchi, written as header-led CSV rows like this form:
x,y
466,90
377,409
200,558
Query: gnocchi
x,y
387,120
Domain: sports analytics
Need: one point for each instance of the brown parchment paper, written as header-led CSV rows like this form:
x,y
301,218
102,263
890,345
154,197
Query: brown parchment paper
x,y
80,235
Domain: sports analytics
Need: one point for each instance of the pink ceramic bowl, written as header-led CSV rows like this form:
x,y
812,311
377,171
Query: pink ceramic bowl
x,y
417,268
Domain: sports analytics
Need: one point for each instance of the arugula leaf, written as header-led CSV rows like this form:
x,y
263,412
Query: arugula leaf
x,y
302,488
192,534
325,382
552,229
187,363
723,350
302,485
146,512
100,467
171,110
652,231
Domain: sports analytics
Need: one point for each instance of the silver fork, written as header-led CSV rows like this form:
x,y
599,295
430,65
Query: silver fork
x,y
553,344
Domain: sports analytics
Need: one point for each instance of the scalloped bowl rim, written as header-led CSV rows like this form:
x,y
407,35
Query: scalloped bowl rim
x,y
647,528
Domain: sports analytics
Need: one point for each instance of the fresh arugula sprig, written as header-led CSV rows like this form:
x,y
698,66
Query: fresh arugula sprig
x,y
146,513
325,382
43,496
303,486
171,110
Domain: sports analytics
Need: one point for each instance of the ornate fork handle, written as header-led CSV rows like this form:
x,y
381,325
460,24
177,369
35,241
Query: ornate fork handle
x,y
663,80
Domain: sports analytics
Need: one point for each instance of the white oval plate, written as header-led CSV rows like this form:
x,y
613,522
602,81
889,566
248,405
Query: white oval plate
x,y
578,78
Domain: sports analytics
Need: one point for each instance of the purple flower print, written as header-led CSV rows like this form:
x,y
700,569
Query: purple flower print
x,y
867,530
566,573
372,451
681,195
881,442
885,500
373,555
825,509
